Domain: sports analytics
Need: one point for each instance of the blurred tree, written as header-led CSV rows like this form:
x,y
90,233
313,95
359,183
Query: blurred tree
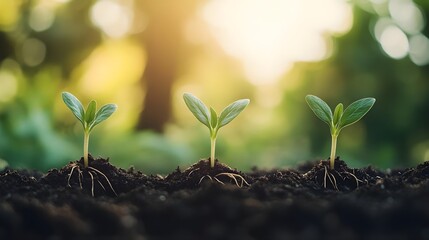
x,y
164,40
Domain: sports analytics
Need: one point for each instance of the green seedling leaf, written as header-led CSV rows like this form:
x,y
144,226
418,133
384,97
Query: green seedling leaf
x,y
89,118
90,112
74,105
198,109
320,108
338,113
341,119
105,112
213,118
232,111
355,111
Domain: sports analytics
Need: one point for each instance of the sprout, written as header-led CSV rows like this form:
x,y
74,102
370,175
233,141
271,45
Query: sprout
x,y
340,119
211,119
89,117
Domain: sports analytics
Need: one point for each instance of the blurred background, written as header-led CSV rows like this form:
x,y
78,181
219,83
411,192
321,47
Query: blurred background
x,y
144,54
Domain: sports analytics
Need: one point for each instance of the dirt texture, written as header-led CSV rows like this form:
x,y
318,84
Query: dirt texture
x,y
309,202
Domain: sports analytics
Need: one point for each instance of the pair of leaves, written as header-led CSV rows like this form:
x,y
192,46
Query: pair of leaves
x,y
210,117
89,117
341,118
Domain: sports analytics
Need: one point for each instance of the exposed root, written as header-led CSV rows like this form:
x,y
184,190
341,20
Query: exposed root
x,y
355,178
344,175
331,178
205,176
80,175
334,180
94,174
92,183
234,177
105,177
193,171
238,179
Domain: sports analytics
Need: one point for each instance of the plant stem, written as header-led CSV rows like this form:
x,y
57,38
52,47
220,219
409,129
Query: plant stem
x,y
333,150
85,148
212,151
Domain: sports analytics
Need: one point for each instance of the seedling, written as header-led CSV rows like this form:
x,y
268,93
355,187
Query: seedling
x,y
211,119
340,119
89,119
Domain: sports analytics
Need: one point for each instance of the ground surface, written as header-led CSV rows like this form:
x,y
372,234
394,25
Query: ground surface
x,y
310,202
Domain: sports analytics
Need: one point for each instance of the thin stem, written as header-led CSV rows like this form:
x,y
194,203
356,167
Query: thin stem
x,y
212,151
333,150
85,148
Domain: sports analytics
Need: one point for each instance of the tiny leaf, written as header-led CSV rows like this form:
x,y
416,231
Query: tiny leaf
x,y
355,111
197,107
103,114
338,112
213,118
232,111
74,105
90,112
320,108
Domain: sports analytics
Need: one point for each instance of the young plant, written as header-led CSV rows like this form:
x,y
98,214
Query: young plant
x,y
211,119
340,119
89,117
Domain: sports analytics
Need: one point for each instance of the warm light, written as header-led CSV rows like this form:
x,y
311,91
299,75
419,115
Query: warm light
x,y
268,37
112,72
41,18
381,25
10,13
394,42
407,15
33,52
8,86
112,17
419,49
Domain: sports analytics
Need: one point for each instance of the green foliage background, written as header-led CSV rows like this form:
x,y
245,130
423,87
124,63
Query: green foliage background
x,y
36,132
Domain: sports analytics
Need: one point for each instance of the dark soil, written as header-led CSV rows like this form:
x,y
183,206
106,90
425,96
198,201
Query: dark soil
x,y
205,203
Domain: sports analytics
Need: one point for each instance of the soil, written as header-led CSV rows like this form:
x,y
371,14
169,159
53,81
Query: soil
x,y
309,202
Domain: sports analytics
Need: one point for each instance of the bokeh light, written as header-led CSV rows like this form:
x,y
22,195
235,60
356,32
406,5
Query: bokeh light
x,y
407,15
33,52
114,18
268,37
8,86
394,42
41,18
419,49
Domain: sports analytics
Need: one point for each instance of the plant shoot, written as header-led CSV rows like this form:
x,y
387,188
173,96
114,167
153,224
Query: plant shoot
x,y
340,119
89,117
210,118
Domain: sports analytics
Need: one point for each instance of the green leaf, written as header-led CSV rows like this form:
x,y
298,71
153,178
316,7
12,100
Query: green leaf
x,y
90,112
320,108
74,105
213,118
103,114
338,112
356,111
232,111
197,107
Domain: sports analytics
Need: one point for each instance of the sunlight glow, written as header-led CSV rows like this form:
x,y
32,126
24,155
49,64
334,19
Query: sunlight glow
x,y
112,72
112,17
268,37
8,86
407,15
394,42
41,18
419,49
33,52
